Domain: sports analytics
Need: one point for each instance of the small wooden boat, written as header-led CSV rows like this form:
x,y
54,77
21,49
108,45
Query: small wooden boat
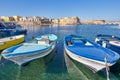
x,y
11,41
89,53
109,41
41,46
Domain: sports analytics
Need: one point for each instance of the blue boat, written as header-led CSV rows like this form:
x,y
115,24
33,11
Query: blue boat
x,y
41,46
11,29
109,41
89,53
12,25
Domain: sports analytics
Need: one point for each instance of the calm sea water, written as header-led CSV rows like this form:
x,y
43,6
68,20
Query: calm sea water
x,y
57,65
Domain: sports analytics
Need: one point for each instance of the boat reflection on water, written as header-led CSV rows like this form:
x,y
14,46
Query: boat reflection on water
x,y
78,71
30,71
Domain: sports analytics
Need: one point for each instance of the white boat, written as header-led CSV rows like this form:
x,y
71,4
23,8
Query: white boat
x,y
41,46
88,53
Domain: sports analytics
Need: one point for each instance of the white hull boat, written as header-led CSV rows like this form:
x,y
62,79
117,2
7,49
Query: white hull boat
x,y
26,52
89,53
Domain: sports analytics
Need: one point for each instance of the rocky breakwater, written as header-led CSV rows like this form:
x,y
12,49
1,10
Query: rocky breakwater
x,y
93,22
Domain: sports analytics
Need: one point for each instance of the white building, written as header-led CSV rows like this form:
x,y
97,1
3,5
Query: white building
x,y
23,18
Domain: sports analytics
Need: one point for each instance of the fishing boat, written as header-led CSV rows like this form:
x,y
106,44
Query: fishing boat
x,y
11,28
109,41
39,47
89,53
12,25
10,41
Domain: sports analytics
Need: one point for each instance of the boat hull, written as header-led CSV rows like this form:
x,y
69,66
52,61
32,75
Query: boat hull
x,y
92,64
11,29
17,32
25,58
11,42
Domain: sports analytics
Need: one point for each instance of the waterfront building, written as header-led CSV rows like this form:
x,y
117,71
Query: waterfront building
x,y
30,18
5,18
55,21
45,21
16,18
36,18
11,18
23,18
69,21
0,19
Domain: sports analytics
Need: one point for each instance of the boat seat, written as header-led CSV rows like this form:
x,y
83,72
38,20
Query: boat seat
x,y
47,41
116,43
78,42
88,44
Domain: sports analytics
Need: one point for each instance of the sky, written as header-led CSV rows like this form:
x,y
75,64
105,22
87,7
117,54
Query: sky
x,y
84,9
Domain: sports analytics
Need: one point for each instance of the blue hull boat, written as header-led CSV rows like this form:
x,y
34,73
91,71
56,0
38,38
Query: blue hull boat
x,y
11,29
109,41
17,32
41,46
12,25
89,53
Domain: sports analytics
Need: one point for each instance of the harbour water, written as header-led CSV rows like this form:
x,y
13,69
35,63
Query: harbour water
x,y
57,65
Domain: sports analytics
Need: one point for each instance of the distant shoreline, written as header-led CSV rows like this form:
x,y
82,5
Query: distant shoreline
x,y
43,21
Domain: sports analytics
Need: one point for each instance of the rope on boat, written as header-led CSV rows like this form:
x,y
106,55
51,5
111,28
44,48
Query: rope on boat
x,y
107,69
